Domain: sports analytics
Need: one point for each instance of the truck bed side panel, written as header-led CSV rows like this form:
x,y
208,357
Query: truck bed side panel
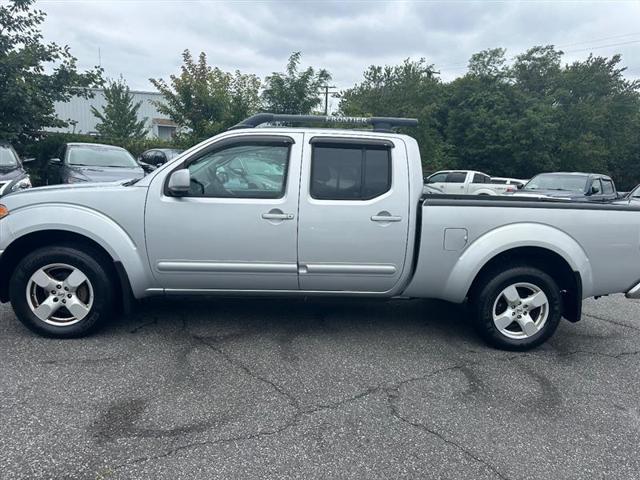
x,y
600,242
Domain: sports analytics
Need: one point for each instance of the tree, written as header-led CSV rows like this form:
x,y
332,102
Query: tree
x,y
28,92
411,89
119,118
294,92
206,100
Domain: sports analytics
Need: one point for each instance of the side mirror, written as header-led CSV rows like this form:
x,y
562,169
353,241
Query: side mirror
x,y
594,190
520,186
55,161
180,182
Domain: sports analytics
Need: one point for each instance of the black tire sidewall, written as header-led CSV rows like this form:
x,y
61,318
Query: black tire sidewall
x,y
494,285
89,263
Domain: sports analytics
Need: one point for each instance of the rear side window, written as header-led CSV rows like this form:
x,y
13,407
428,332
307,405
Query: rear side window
x,y
495,181
350,172
607,187
456,177
480,178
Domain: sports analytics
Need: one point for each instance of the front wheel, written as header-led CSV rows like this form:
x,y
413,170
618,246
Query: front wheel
x,y
518,308
61,291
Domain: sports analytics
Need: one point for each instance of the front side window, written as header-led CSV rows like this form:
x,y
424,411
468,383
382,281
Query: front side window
x,y
350,172
437,178
255,170
596,188
636,193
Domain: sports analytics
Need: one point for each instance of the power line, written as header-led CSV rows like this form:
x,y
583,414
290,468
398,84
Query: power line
x,y
602,46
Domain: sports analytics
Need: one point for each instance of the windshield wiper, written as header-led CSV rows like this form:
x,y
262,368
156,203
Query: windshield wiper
x,y
128,183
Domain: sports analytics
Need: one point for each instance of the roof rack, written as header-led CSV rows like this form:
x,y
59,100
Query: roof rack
x,y
379,124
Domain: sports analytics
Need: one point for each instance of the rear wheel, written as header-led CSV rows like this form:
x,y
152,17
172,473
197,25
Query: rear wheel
x,y
61,291
518,308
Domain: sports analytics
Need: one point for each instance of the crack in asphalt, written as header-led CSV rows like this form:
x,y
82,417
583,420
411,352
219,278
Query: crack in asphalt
x,y
390,390
613,322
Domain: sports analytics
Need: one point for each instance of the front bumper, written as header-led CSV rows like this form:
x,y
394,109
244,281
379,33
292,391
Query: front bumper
x,y
633,293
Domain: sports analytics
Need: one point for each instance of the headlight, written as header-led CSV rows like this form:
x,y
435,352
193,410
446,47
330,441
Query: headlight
x,y
21,184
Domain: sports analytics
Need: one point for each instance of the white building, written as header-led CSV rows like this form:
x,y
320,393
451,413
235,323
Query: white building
x,y
77,111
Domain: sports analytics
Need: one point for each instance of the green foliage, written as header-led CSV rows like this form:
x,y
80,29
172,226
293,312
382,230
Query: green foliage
x,y
517,120
411,89
119,118
206,100
34,75
292,91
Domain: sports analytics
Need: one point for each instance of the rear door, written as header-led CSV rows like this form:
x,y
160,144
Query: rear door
x,y
354,214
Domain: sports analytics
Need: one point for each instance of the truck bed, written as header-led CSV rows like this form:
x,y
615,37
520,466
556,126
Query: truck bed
x,y
459,234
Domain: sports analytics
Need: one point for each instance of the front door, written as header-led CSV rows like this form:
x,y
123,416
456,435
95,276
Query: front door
x,y
354,214
237,227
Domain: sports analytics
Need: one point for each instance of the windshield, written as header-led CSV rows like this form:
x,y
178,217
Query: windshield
x,y
8,157
100,157
571,183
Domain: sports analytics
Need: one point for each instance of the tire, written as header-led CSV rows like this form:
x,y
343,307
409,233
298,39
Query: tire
x,y
62,291
527,296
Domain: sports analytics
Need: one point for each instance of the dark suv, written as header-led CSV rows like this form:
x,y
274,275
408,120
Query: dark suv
x,y
591,187
12,175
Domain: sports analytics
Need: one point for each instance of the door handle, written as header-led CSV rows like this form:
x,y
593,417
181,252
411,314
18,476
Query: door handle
x,y
277,216
386,218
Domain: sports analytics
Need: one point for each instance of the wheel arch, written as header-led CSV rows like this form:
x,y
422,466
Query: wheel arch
x,y
550,262
535,243
42,238
43,225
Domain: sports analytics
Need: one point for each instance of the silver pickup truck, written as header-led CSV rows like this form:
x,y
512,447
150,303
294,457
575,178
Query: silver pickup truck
x,y
304,211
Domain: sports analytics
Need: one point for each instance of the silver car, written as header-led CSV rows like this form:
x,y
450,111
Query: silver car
x,y
92,162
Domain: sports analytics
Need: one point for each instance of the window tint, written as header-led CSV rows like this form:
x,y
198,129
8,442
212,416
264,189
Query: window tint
x,y
480,178
437,178
607,187
456,177
243,171
350,172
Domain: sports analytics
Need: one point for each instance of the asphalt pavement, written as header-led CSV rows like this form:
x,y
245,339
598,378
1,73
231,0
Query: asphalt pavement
x,y
332,389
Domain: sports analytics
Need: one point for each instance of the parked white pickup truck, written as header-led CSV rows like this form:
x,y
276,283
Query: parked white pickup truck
x,y
467,182
302,211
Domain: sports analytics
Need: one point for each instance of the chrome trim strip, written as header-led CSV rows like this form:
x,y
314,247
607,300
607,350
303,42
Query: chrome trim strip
x,y
281,293
346,269
226,267
634,292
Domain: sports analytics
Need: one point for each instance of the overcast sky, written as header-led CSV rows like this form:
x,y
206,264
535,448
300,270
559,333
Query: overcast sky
x,y
141,39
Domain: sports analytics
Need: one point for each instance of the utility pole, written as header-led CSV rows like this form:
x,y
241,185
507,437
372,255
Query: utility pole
x,y
326,92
